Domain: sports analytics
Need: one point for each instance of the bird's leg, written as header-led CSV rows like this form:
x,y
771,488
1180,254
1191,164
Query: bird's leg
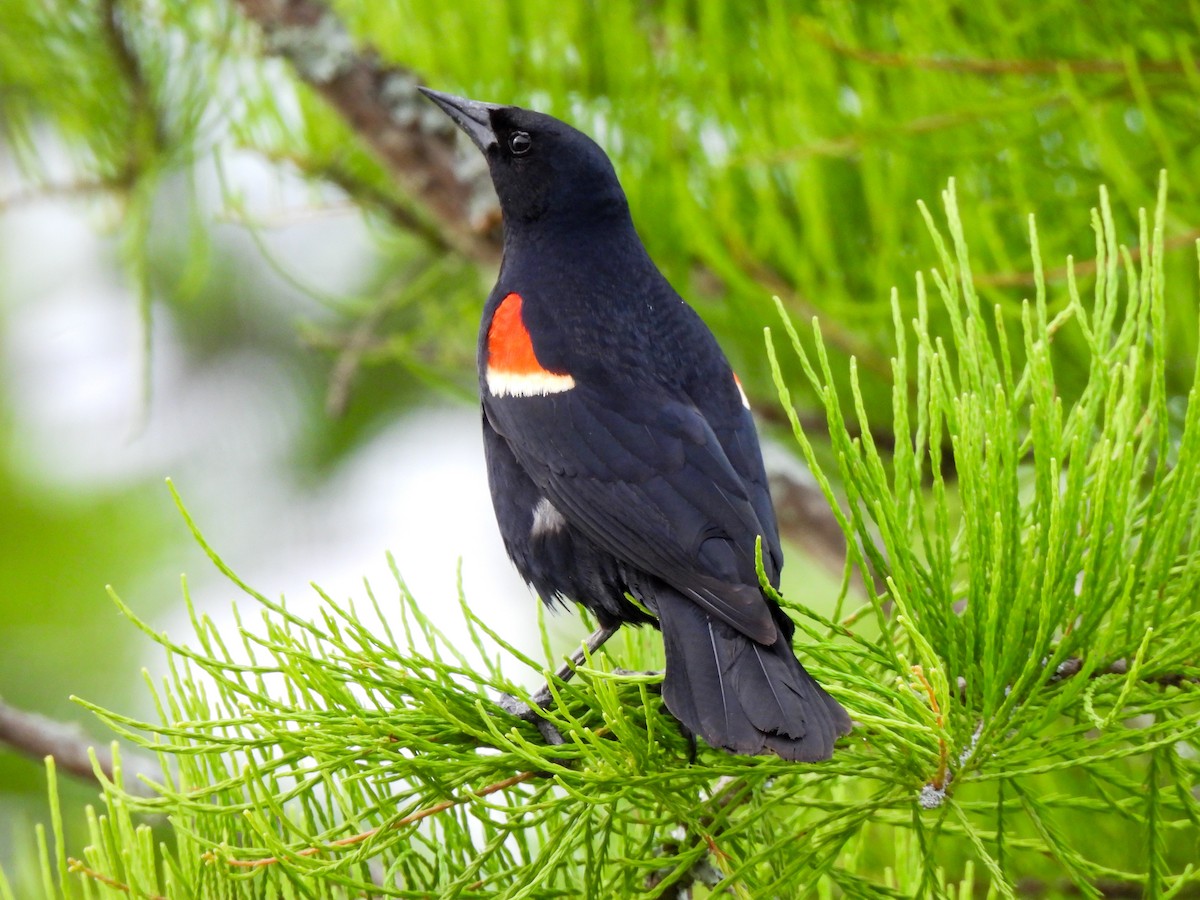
x,y
544,697
594,642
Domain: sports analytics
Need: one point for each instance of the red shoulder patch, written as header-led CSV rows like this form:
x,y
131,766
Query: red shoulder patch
x,y
512,365
510,348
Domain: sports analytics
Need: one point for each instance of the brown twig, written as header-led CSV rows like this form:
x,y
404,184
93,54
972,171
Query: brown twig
x,y
37,737
78,867
399,823
939,779
975,66
1083,268
141,100
1073,666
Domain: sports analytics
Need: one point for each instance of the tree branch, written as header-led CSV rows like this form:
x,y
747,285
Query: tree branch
x,y
37,737
141,99
380,102
1073,665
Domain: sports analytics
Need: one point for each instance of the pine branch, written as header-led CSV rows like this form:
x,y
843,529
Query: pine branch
x,y
355,839
1067,533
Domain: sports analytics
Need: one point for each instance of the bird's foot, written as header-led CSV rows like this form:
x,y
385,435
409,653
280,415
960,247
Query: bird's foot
x,y
513,706
543,698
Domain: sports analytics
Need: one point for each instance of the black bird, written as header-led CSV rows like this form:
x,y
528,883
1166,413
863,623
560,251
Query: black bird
x,y
621,452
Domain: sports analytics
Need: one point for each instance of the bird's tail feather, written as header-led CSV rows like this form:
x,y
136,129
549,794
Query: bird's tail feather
x,y
741,695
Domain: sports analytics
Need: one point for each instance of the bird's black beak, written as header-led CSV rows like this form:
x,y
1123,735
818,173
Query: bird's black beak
x,y
469,115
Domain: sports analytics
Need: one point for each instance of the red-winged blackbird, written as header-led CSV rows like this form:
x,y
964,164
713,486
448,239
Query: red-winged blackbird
x,y
621,452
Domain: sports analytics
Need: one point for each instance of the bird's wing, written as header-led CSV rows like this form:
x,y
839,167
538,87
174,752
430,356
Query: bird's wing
x,y
645,477
739,440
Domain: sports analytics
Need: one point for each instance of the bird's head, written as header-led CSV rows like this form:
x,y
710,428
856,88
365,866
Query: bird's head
x,y
542,169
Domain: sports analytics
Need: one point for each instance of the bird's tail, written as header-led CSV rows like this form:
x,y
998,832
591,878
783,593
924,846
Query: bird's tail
x,y
740,695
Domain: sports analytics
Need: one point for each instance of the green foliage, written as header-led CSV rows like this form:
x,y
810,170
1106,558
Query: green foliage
x,y
56,549
1030,667
1020,482
768,144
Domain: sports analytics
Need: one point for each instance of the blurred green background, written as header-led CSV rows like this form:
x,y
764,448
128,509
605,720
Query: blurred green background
x,y
198,260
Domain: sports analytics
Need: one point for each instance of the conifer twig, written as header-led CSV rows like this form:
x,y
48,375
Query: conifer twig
x,y
981,66
1073,665
1085,267
938,783
545,696
81,868
399,823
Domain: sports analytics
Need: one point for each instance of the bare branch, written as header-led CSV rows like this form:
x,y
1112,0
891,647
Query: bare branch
x,y
1073,665
37,737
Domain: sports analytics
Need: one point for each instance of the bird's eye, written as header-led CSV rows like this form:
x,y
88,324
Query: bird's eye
x,y
519,143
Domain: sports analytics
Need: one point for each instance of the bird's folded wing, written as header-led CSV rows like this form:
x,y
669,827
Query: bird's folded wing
x,y
649,482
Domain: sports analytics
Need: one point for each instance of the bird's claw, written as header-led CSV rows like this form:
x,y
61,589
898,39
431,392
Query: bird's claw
x,y
532,712
513,706
524,711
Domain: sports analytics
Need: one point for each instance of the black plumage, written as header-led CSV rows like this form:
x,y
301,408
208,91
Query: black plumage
x,y
622,456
